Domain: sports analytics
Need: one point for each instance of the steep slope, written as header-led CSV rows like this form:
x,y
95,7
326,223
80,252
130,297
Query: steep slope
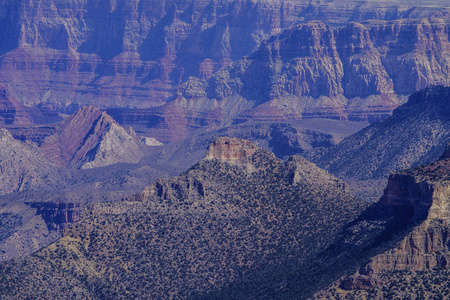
x,y
417,264
415,134
238,214
22,166
90,138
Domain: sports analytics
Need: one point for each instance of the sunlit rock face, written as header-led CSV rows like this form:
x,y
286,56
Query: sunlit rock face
x,y
330,61
227,149
91,138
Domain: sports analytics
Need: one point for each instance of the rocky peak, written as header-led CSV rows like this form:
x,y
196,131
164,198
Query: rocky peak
x,y
302,170
424,191
230,150
91,138
22,165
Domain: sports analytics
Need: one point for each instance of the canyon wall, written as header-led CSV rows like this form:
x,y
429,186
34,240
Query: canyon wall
x,y
423,194
336,59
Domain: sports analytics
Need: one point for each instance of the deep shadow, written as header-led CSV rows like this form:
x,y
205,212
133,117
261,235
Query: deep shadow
x,y
106,39
9,26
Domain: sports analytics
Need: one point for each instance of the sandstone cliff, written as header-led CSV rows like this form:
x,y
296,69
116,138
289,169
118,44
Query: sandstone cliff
x,y
346,59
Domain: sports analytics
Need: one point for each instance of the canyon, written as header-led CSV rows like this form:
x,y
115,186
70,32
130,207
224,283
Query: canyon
x,y
169,67
251,149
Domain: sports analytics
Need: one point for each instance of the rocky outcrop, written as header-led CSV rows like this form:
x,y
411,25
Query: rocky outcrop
x,y
423,194
90,138
57,216
148,141
33,133
230,150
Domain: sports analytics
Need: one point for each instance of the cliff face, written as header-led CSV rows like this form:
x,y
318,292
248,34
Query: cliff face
x,y
57,216
127,53
143,54
343,66
423,194
230,150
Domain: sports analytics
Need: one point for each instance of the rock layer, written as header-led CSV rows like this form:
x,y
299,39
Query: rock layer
x,y
230,150
424,195
143,54
90,138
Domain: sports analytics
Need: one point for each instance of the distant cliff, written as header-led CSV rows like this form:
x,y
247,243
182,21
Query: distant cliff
x,y
336,59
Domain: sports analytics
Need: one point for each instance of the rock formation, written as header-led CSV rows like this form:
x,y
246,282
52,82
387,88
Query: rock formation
x,y
212,227
23,166
90,138
57,216
422,194
231,150
342,59
150,141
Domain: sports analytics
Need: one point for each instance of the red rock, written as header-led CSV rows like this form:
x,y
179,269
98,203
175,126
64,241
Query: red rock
x,y
90,138
226,149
